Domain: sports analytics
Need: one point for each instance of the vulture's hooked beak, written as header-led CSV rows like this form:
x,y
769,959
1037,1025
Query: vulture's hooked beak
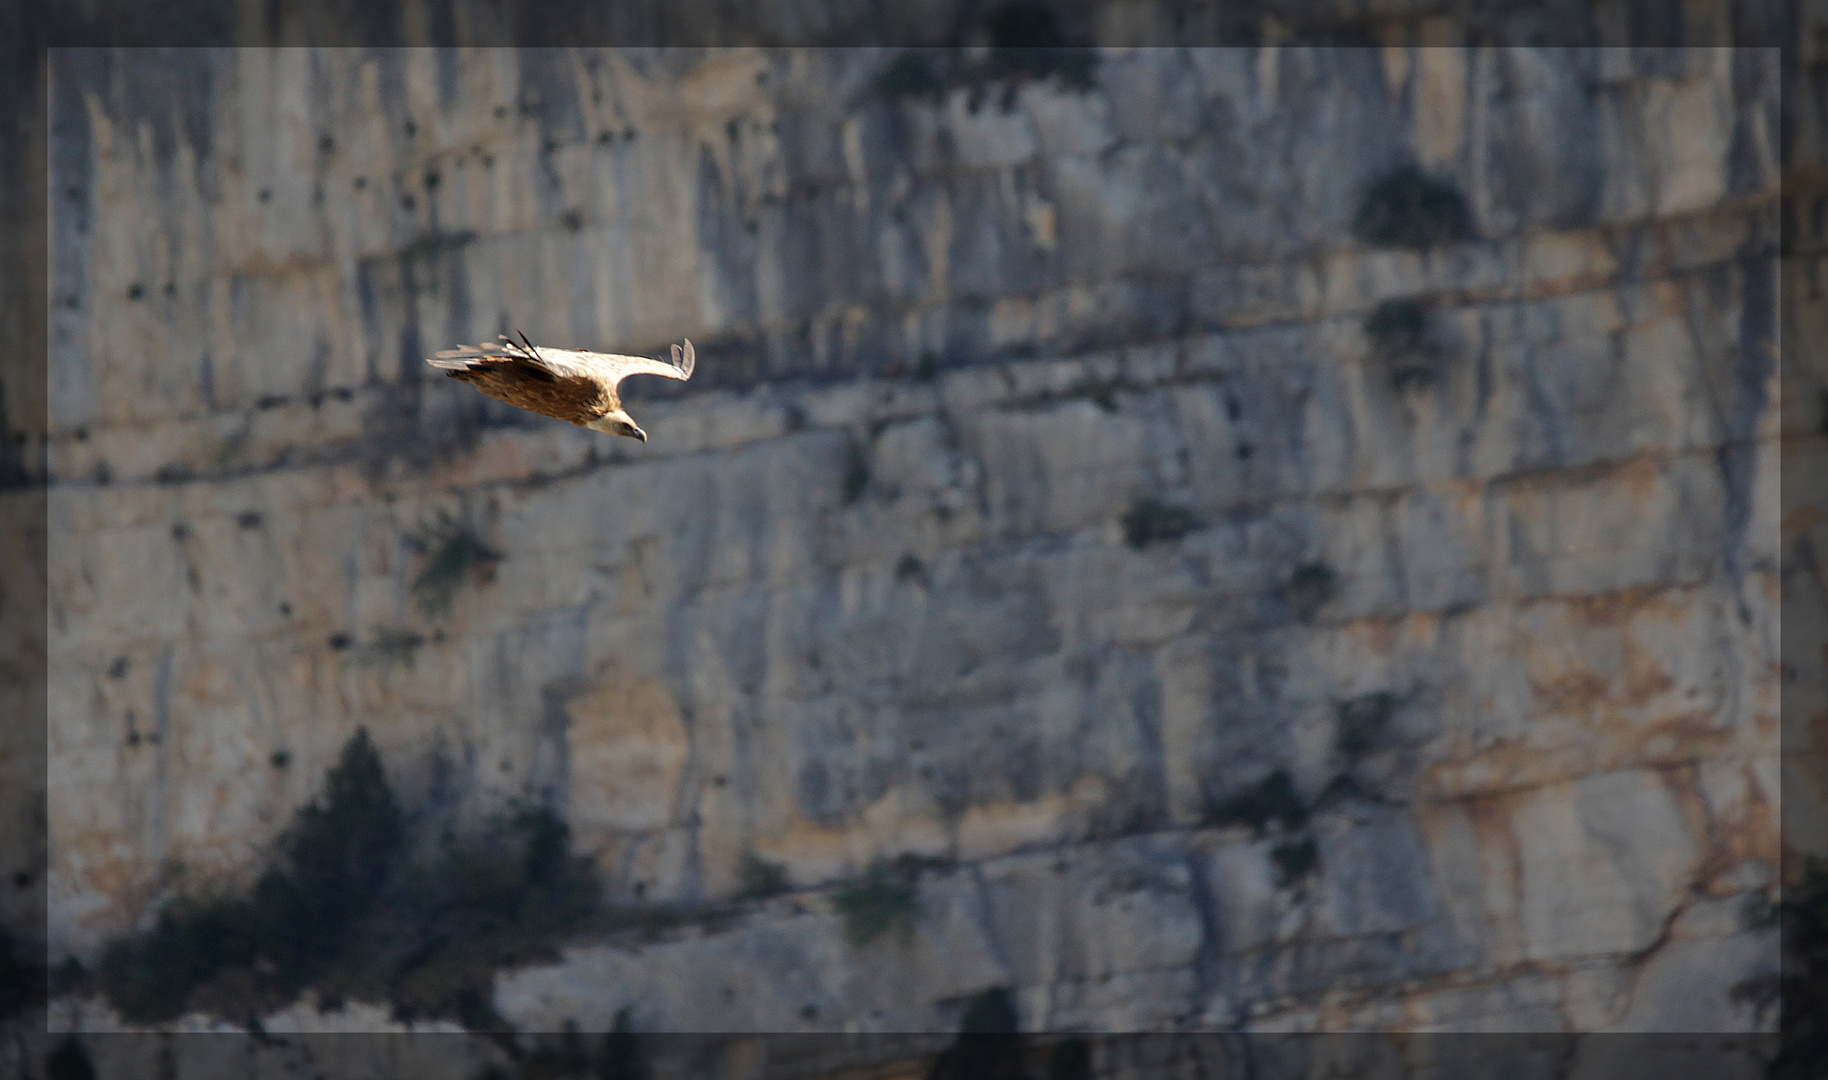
x,y
639,434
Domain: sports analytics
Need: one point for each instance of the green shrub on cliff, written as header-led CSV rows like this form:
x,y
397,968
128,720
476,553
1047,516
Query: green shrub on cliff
x,y
1027,43
989,1044
1150,520
454,552
1273,800
1407,207
885,898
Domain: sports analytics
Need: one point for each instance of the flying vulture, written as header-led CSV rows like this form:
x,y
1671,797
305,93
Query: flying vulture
x,y
560,383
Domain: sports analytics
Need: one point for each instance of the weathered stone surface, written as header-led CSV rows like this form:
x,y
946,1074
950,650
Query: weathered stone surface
x,y
874,588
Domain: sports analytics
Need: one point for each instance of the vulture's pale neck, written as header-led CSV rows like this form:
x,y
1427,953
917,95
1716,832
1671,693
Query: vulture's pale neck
x,y
617,423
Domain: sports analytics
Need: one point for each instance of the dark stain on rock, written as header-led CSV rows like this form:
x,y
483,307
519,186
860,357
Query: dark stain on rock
x,y
13,472
1746,403
1407,207
1309,588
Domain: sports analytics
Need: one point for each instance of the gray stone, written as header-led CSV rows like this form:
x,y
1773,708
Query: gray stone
x,y
877,584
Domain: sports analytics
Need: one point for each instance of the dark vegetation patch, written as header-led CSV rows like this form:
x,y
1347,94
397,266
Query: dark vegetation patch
x,y
1397,325
1027,41
1757,912
1272,801
69,1061
1309,588
225,452
621,1053
391,646
1027,44
22,980
856,476
432,244
1407,207
992,1012
989,1044
1150,520
454,554
507,896
1295,861
235,954
362,904
1070,1059
908,568
624,1055
1399,332
761,878
912,73
1363,721
886,898
1800,990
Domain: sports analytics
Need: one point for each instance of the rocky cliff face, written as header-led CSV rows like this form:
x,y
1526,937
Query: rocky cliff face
x,y
1252,619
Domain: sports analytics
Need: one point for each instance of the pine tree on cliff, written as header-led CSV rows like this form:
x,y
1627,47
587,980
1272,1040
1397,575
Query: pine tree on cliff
x,y
988,1047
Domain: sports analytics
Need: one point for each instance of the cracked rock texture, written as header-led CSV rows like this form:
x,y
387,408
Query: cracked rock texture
x,y
1502,620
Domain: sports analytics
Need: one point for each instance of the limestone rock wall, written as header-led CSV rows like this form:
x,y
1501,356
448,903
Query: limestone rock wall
x,y
1504,616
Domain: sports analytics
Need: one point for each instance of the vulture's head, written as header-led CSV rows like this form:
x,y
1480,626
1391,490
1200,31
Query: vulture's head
x,y
618,423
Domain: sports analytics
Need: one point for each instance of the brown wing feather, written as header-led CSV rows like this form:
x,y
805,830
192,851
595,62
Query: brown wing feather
x,y
510,373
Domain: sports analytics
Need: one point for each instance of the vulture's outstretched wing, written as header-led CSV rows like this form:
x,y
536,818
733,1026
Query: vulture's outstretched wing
x,y
613,368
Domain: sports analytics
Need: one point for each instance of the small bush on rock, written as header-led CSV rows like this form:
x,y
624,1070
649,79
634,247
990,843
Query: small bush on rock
x,y
1272,801
1407,207
1150,520
884,899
